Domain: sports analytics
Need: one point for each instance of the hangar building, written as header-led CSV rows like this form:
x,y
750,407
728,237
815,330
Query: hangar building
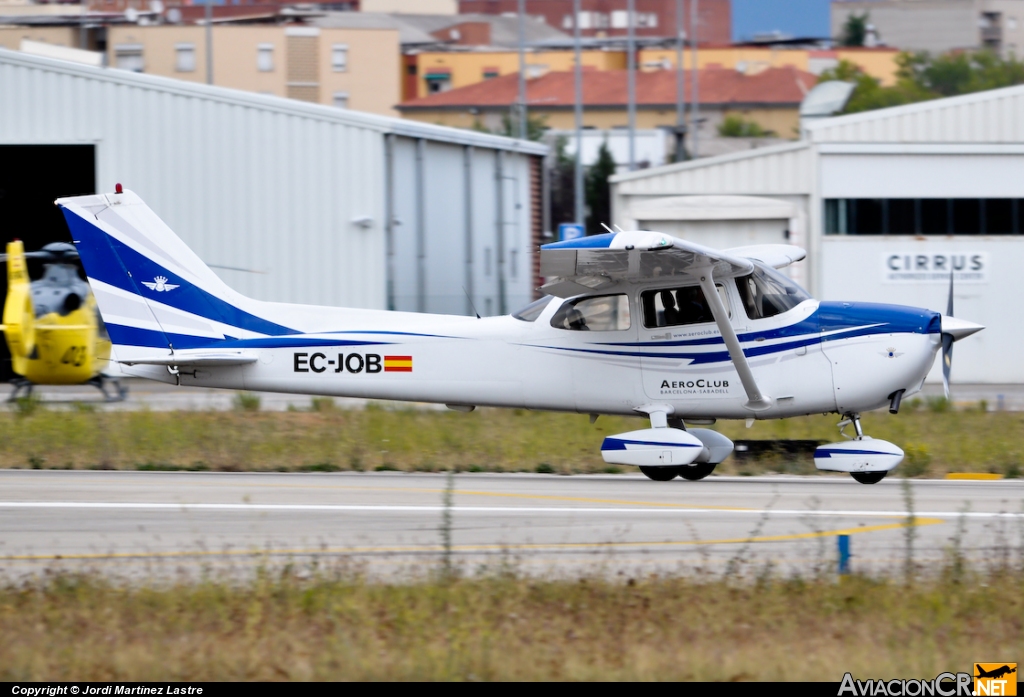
x,y
288,200
886,202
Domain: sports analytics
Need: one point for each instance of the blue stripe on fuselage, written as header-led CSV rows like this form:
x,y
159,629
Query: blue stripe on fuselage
x,y
133,336
847,320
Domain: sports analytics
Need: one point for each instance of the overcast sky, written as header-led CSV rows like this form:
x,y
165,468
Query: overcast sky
x,y
794,17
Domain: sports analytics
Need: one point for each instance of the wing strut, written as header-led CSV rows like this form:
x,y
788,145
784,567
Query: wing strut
x,y
756,400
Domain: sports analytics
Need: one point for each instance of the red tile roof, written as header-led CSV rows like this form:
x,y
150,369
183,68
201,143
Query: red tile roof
x,y
607,88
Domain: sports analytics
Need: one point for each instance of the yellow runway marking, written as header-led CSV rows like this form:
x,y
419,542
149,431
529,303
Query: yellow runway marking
x,y
467,548
974,476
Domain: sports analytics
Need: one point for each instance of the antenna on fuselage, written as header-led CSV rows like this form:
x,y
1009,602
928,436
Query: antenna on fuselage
x,y
605,226
470,302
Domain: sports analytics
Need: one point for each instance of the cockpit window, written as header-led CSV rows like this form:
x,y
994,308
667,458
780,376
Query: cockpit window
x,y
531,312
766,293
605,313
673,307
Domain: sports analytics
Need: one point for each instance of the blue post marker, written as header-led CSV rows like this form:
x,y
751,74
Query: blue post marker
x,y
844,554
570,231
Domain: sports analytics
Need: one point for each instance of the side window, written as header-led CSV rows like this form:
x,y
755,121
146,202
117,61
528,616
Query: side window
x,y
766,293
605,313
673,307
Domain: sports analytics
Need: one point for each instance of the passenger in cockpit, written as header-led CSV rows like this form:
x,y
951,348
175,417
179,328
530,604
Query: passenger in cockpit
x,y
671,314
575,320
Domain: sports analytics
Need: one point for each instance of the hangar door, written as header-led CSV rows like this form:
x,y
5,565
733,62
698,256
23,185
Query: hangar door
x,y
717,221
31,177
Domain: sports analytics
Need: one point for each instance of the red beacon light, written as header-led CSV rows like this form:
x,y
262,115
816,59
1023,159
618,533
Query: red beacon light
x,y
118,189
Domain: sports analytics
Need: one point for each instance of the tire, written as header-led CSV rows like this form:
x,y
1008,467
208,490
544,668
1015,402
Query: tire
x,y
868,477
694,473
660,474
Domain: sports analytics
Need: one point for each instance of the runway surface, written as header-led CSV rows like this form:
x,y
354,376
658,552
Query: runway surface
x,y
387,524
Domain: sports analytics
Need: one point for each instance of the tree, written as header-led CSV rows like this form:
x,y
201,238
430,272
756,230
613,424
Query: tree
x,y
535,127
561,180
597,191
855,29
920,77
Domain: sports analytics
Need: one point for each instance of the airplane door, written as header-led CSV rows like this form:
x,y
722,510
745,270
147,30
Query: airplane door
x,y
685,361
599,333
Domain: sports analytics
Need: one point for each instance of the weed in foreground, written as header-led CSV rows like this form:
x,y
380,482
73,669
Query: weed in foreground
x,y
504,626
246,401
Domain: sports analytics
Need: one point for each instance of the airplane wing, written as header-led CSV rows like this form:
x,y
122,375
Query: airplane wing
x,y
773,255
197,358
591,263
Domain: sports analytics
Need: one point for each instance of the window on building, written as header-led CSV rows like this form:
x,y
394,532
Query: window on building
x,y
924,216
339,58
488,73
185,58
129,57
265,58
647,20
340,100
438,80
620,19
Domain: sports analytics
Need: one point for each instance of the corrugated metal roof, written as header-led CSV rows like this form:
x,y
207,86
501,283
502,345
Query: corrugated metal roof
x,y
779,169
993,116
291,107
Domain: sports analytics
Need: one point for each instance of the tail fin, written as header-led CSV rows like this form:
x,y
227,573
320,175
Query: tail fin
x,y
152,290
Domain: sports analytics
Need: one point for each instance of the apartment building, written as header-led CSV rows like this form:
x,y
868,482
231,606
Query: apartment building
x,y
342,67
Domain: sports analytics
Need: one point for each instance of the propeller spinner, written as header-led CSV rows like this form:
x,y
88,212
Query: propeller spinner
x,y
953,329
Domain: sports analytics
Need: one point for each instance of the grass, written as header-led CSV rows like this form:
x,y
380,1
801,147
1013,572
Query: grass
x,y
936,439
506,627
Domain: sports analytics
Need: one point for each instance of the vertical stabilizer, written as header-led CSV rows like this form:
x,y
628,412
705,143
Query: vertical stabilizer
x,y
154,293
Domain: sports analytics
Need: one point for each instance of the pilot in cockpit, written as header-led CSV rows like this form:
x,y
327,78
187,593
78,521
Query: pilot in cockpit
x,y
692,307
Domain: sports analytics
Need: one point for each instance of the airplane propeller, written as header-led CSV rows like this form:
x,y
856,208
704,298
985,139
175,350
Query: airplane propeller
x,y
953,329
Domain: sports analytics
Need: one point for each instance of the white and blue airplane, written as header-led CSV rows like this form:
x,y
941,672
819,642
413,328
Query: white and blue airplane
x,y
631,323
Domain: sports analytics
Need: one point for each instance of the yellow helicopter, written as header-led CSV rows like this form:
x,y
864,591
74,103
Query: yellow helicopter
x,y
52,326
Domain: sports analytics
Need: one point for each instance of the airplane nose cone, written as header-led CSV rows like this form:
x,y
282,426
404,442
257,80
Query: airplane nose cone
x,y
959,328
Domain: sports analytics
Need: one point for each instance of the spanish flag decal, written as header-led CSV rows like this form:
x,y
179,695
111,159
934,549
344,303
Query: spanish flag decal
x,y
397,364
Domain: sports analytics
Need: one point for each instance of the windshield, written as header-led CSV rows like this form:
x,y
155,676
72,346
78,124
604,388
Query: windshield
x,y
766,293
532,311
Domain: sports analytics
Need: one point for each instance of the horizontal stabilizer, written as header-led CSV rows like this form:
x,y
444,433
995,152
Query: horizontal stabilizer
x,y
197,358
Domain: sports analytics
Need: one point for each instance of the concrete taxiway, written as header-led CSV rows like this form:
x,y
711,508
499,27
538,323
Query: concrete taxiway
x,y
388,524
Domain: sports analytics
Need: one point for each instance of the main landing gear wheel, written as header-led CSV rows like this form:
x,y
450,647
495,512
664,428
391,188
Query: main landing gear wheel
x,y
868,477
696,472
660,474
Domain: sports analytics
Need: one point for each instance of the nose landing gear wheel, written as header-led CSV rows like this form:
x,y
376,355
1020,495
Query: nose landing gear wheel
x,y
660,474
696,472
868,477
